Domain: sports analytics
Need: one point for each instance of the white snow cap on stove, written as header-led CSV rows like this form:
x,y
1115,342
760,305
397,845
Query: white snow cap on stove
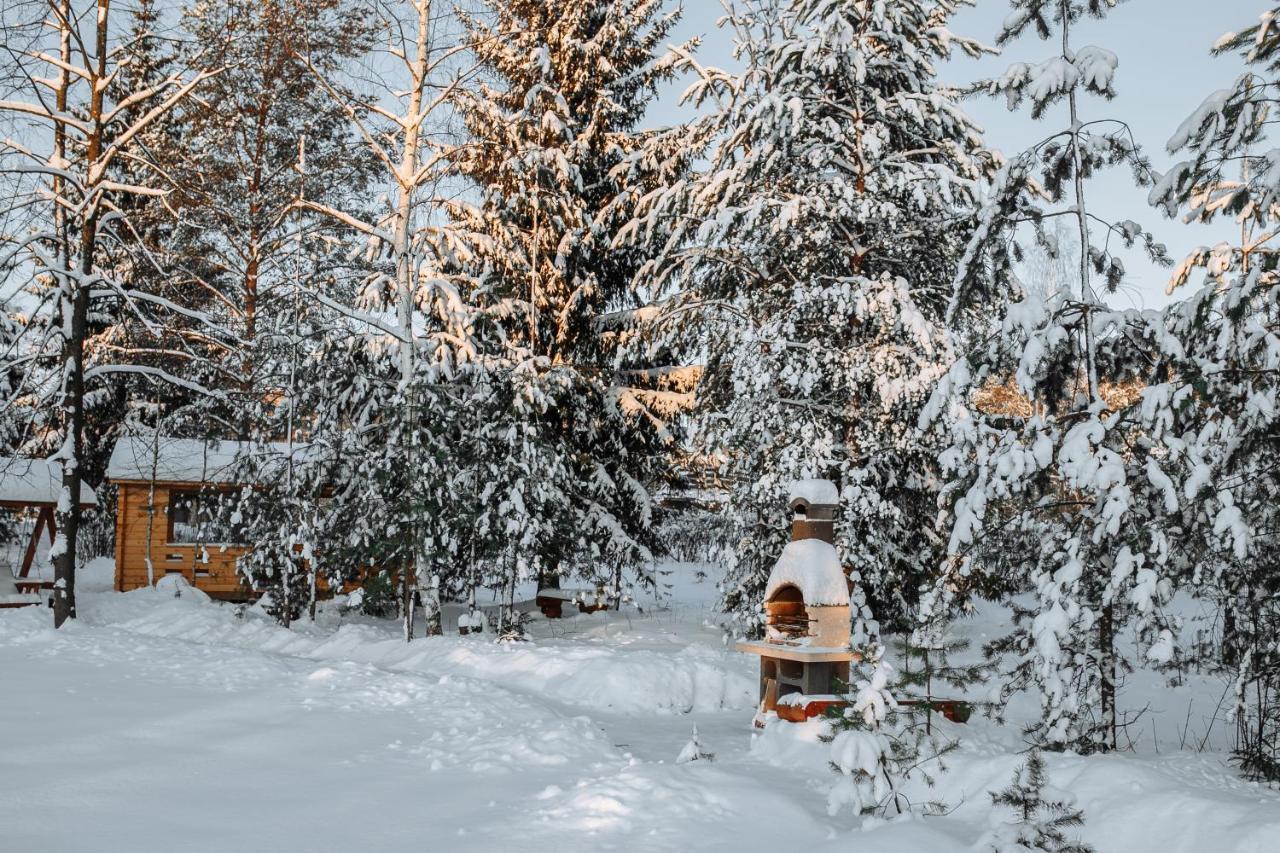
x,y
813,567
815,492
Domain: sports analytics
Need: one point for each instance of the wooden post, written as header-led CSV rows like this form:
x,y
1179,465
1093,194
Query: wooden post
x,y
29,557
44,519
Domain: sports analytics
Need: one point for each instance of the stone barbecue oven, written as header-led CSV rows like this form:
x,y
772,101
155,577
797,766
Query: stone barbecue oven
x,y
805,654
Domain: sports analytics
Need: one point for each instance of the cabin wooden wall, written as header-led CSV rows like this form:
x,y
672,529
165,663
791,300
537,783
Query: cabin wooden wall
x,y
216,575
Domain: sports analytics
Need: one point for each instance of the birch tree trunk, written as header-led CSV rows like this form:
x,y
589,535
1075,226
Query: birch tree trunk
x,y
86,134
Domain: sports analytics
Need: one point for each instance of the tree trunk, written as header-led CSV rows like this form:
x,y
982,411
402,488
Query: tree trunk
x,y
75,319
68,515
406,600
1107,665
1230,653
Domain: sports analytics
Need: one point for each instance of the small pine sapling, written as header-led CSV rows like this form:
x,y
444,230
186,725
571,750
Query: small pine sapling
x,y
1042,814
379,596
694,750
927,665
877,749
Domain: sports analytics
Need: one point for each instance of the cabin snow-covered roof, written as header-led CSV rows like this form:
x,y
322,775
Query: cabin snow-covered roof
x,y
813,567
815,492
187,460
36,481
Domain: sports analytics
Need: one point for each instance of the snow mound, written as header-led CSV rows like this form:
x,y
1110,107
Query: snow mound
x,y
798,746
813,567
691,678
177,586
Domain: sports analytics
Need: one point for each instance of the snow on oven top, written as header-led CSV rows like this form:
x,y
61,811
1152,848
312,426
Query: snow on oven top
x,y
813,567
815,492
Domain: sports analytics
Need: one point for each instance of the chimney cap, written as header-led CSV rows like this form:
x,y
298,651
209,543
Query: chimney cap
x,y
814,493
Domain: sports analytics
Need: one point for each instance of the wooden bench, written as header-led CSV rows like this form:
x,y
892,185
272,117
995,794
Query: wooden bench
x,y
21,592
551,601
797,707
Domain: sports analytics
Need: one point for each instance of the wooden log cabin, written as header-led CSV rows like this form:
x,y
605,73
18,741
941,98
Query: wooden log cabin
x,y
175,505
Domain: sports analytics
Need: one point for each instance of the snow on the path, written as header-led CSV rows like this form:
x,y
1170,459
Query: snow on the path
x,y
166,724
176,746
665,674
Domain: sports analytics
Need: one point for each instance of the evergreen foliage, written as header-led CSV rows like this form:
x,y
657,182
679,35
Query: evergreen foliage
x,y
1225,387
878,746
927,665
814,258
1067,475
576,428
1043,816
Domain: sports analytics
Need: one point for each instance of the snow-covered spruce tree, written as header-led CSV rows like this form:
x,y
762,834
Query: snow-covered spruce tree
x,y
576,430
1226,388
1059,487
75,129
813,260
1042,816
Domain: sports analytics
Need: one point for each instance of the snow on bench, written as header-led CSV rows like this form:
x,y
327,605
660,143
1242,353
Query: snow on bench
x,y
551,601
14,595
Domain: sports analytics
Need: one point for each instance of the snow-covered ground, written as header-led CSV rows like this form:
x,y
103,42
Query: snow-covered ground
x,y
157,723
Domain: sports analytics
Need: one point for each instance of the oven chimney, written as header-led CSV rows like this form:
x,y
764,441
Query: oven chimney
x,y
813,510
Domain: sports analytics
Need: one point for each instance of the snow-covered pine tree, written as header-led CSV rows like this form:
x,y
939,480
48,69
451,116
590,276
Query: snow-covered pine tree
x,y
275,173
813,260
60,248
1061,482
1225,390
1041,815
239,173
577,427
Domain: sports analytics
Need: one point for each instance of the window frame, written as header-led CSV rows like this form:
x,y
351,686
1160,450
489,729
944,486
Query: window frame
x,y
196,497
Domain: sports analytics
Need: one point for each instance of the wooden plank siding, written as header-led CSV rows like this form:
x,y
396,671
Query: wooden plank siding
x,y
216,576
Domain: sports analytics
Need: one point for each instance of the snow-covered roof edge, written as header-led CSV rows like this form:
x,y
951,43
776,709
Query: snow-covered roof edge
x,y
36,481
166,459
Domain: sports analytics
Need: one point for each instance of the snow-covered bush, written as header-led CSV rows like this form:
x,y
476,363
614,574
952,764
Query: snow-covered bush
x,y
694,750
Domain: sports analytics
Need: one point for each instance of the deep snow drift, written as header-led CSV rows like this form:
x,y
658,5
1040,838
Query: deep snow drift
x,y
165,724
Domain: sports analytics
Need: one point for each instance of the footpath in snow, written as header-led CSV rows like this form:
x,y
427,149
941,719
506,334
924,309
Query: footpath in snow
x,y
163,724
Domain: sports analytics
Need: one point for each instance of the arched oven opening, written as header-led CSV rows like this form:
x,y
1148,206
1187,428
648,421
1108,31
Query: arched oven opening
x,y
787,618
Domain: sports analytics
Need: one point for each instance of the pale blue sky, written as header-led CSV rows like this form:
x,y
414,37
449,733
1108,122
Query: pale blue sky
x,y
1165,72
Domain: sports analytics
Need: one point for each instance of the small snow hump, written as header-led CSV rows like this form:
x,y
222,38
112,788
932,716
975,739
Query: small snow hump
x,y
694,751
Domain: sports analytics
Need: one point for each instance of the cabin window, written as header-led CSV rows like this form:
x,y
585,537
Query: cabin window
x,y
210,517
